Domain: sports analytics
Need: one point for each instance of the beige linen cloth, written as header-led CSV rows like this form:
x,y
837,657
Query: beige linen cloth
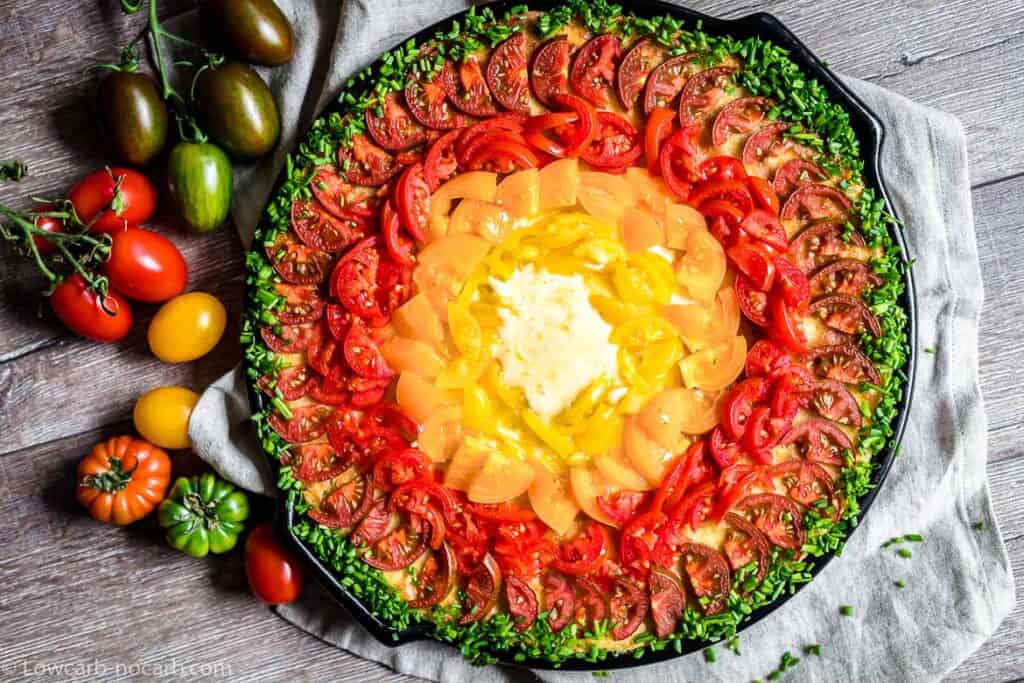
x,y
958,582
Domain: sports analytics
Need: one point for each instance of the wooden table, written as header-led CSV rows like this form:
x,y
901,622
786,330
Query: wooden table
x,y
76,592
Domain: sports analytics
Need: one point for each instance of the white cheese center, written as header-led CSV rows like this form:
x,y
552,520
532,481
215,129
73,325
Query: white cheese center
x,y
552,342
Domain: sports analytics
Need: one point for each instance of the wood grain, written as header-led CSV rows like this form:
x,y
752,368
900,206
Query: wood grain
x,y
79,591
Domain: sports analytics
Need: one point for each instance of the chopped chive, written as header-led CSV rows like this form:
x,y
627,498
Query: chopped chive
x,y
846,610
900,584
979,525
930,349
814,649
709,655
915,538
904,553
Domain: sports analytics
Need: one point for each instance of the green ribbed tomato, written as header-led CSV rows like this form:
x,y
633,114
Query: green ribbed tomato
x,y
199,178
203,514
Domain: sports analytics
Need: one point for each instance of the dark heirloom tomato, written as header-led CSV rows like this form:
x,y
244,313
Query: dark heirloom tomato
x,y
306,423
435,577
313,462
482,589
373,526
708,574
256,30
466,87
752,301
354,279
815,202
522,602
133,114
744,543
593,70
428,102
805,482
778,518
635,68
320,230
616,144
819,440
341,198
795,173
507,73
842,362
700,96
346,505
290,338
822,244
238,109
846,314
591,605
668,599
401,546
295,262
667,80
559,601
394,128
365,163
549,71
766,147
740,117
292,382
845,276
833,400
627,608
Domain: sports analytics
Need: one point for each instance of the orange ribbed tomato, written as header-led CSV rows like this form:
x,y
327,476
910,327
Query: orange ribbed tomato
x,y
122,479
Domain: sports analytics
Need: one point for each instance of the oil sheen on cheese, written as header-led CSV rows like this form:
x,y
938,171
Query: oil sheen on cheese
x,y
552,342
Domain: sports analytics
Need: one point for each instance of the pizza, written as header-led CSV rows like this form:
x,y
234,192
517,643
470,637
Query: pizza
x,y
576,333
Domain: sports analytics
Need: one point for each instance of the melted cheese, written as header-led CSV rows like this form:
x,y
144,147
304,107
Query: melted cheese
x,y
552,342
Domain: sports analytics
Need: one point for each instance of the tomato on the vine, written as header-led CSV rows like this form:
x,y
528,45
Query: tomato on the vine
x,y
86,313
145,266
112,199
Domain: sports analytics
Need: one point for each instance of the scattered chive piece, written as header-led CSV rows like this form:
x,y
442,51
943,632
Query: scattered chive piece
x,y
814,649
900,584
733,645
930,349
904,553
774,676
914,538
709,655
846,610
979,525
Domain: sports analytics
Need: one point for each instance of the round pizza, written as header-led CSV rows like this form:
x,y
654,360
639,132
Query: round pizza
x,y
576,333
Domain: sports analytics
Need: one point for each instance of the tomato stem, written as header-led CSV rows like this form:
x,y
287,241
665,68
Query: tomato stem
x,y
114,479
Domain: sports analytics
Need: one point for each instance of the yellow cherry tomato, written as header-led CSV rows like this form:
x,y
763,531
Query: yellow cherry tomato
x,y
187,327
161,416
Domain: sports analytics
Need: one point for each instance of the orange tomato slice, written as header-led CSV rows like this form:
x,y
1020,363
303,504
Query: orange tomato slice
x,y
641,230
586,486
552,500
418,319
558,182
419,398
441,434
412,355
519,193
716,366
702,268
649,457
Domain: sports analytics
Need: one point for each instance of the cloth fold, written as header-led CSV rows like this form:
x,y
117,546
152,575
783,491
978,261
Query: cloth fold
x,y
958,584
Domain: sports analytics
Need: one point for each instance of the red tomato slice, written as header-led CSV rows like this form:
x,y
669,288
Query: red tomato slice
x,y
739,404
302,304
435,578
295,262
766,359
622,506
549,72
507,73
504,157
754,262
365,163
784,326
792,284
583,553
593,70
428,103
341,198
522,602
392,126
678,160
722,168
412,202
399,246
660,123
354,280
752,301
616,144
734,191
313,462
668,600
320,230
765,226
363,355
306,423
374,525
291,382
440,163
795,173
764,195
289,338
724,450
627,608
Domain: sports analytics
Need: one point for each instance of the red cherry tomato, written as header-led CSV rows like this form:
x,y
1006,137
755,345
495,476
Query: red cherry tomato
x,y
275,574
145,266
46,224
80,309
112,199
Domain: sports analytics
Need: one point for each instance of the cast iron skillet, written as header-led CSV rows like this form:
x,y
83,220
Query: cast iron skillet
x,y
869,131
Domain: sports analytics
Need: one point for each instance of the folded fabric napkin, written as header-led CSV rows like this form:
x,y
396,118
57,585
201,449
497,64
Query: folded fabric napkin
x,y
958,582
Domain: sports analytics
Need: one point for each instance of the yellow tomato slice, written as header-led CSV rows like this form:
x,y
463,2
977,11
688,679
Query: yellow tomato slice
x,y
417,319
552,500
644,278
715,367
480,185
419,398
614,467
479,410
702,268
486,219
501,479
586,486
519,193
680,221
641,229
701,325
559,181
412,355
441,434
605,196
647,456
600,432
698,409
465,465
465,330
460,372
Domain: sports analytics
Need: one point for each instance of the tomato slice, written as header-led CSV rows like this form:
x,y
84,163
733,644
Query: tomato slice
x,y
668,600
696,505
734,191
341,198
313,462
365,163
399,247
591,605
845,314
295,262
724,450
667,80
784,326
412,202
845,276
660,123
289,338
436,578
568,137
744,543
291,382
739,404
346,505
337,319
627,608
583,553
501,128
482,588
522,602
764,149
821,244
415,495
302,304
678,160
559,601
841,362
794,174
593,70
549,72
708,574
503,157
440,163
759,436
503,512
616,144
392,126
322,390
394,468
722,168
752,301
428,102
818,440
401,547
363,354
622,506
792,284
814,202
754,262
467,88
354,279
689,469
699,98
740,117
507,73
306,423
766,359
634,69
833,400
805,482
777,517
373,526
